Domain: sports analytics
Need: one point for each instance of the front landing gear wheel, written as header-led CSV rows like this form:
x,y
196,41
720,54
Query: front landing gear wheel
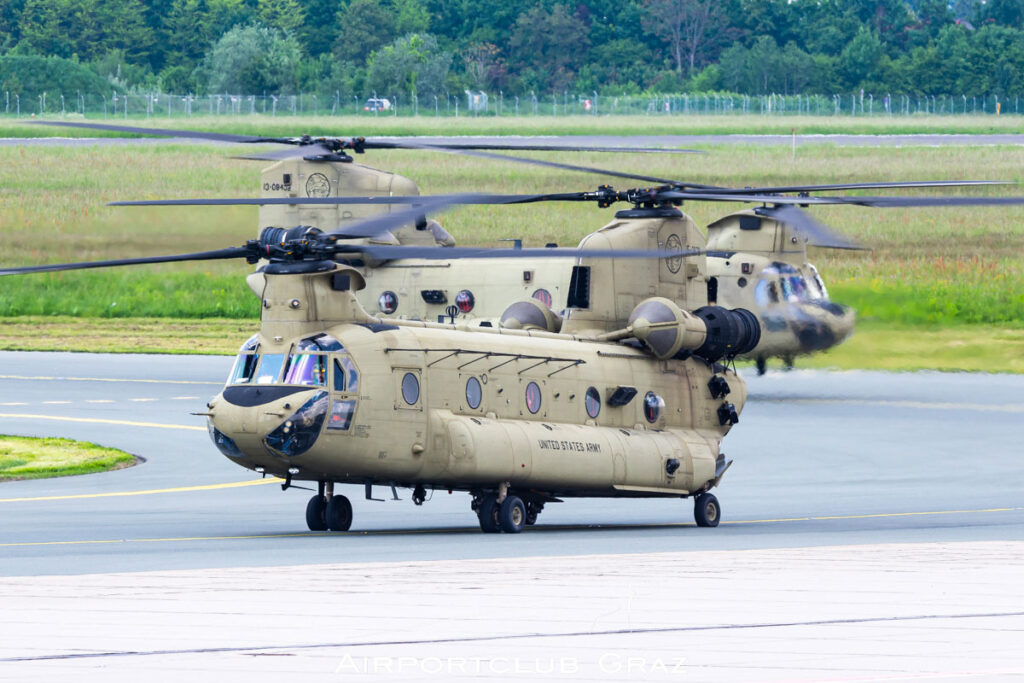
x,y
338,514
315,508
512,515
706,510
488,514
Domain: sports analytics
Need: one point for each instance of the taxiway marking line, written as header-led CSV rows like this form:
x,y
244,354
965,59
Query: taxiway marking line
x,y
115,494
107,379
96,420
393,532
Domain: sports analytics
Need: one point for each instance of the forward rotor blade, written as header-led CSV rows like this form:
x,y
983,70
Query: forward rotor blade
x,y
525,147
386,252
866,186
394,199
229,253
888,202
817,234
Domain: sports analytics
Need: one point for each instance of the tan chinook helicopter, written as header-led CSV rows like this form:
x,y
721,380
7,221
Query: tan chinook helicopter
x,y
516,415
754,258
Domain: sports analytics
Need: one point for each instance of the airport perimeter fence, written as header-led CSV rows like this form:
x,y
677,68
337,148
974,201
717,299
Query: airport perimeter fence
x,y
479,103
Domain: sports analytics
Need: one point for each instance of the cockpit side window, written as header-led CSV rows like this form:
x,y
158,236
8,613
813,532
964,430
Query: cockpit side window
x,y
245,364
245,368
339,376
822,290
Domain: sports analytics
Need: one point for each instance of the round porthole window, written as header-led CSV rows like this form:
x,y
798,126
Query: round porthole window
x,y
543,296
532,397
474,392
593,402
654,406
410,388
388,302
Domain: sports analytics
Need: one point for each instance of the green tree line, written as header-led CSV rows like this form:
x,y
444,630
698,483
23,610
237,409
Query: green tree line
x,y
427,47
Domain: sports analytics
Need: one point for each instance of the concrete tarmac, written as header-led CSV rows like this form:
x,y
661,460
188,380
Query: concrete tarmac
x,y
873,531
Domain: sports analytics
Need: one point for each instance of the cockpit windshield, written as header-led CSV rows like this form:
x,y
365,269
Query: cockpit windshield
x,y
308,364
782,282
306,368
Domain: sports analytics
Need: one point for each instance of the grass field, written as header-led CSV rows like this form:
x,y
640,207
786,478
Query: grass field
x,y
28,458
384,124
957,267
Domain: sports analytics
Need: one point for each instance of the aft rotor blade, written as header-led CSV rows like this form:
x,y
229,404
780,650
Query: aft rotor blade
x,y
229,253
539,162
817,233
376,225
386,252
138,130
308,150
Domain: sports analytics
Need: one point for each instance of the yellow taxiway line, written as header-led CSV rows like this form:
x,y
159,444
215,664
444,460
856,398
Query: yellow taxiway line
x,y
97,420
393,532
42,378
116,494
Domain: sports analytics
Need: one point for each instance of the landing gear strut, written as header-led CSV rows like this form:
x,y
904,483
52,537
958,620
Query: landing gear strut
x,y
762,365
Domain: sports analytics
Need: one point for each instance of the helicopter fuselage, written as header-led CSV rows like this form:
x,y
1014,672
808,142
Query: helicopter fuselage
x,y
463,410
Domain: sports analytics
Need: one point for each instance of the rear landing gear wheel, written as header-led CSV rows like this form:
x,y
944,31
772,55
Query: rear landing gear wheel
x,y
706,510
512,515
762,365
488,514
338,513
315,508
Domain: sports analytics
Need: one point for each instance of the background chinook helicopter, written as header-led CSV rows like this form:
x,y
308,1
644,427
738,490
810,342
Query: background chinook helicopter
x,y
756,258
517,416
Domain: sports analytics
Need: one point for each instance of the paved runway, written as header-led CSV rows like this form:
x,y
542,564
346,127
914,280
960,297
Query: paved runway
x,y
820,459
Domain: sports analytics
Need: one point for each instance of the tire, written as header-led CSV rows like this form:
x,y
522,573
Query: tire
x,y
338,513
488,514
512,515
315,509
706,510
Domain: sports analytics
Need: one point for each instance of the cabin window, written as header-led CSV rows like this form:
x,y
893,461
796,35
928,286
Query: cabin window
x,y
654,406
309,369
410,388
474,393
593,402
341,414
270,368
533,397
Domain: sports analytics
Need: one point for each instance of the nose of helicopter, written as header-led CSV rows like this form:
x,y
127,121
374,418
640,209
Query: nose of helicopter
x,y
841,319
248,424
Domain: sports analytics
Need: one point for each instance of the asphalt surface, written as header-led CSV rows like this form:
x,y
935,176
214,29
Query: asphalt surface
x,y
821,459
